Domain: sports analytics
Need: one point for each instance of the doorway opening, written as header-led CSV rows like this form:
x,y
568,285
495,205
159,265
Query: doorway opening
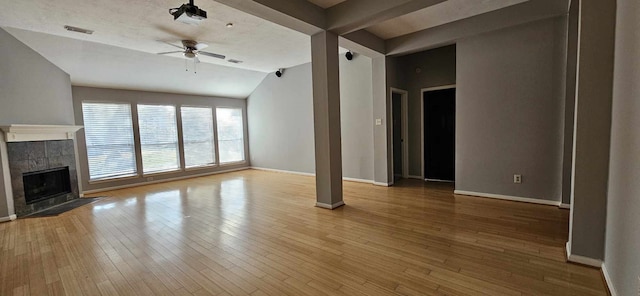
x,y
439,128
399,133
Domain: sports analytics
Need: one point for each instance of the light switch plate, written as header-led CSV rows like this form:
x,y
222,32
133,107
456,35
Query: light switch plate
x,y
378,121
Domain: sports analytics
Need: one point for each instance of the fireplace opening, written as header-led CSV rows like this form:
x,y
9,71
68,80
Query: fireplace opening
x,y
46,184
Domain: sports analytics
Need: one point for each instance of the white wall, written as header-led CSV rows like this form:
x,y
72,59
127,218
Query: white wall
x,y
509,110
32,91
622,249
280,114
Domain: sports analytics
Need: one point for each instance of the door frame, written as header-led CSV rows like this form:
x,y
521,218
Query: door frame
x,y
422,91
404,99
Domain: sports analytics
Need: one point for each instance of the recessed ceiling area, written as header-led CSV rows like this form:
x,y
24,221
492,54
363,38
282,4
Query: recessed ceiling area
x,y
146,26
436,15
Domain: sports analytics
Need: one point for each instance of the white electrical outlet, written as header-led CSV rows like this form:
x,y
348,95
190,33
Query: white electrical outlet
x,y
149,179
517,179
378,121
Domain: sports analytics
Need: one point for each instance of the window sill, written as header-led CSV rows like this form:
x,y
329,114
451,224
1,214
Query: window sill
x,y
151,174
201,167
226,164
113,179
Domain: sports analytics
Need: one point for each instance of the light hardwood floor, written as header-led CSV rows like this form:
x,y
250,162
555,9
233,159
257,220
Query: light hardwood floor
x,y
258,233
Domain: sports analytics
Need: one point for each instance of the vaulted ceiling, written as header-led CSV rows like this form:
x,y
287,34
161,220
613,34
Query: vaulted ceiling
x,y
266,34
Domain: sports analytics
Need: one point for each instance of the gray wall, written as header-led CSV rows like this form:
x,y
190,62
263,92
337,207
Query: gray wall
x,y
32,91
81,94
437,68
622,259
356,117
592,129
280,113
510,111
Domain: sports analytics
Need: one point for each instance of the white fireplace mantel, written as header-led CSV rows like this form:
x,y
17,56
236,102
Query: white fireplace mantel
x,y
30,132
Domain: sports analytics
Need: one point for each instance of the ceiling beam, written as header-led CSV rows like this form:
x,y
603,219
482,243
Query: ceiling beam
x,y
364,43
353,15
529,11
298,15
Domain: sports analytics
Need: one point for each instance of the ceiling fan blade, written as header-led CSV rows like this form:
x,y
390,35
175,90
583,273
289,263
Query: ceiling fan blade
x,y
213,55
170,52
174,45
201,46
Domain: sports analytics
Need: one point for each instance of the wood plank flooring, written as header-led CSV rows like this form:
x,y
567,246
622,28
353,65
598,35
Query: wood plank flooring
x,y
258,233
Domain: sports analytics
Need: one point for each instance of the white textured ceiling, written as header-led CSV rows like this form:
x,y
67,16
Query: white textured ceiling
x,y
142,24
128,33
439,14
326,3
100,65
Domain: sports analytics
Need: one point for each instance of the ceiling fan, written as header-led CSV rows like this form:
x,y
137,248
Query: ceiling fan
x,y
191,49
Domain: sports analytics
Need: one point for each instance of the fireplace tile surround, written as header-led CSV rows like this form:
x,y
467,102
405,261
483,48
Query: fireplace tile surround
x,y
28,148
26,157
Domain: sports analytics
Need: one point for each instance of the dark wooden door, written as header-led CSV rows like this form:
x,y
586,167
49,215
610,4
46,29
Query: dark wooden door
x,y
439,134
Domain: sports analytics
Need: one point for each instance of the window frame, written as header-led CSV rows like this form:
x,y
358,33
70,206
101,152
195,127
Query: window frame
x,y
178,122
244,135
216,155
133,113
139,174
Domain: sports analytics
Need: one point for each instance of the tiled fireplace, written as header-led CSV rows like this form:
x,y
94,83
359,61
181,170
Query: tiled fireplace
x,y
42,166
32,166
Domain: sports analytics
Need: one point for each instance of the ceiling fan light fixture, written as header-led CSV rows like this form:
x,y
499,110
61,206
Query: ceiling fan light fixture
x,y
190,54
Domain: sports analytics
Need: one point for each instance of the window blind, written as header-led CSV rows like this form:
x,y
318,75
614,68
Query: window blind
x,y
197,136
108,133
230,134
158,138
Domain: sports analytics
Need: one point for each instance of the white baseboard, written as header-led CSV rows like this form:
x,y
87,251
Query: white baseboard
x,y
161,181
382,184
607,279
328,206
311,175
511,198
416,177
582,259
8,218
358,180
565,206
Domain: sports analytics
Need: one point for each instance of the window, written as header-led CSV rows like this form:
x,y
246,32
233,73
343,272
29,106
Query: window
x,y
197,136
158,138
230,135
108,131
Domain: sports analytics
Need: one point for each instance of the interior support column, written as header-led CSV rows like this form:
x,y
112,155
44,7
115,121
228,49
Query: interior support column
x,y
326,118
592,131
